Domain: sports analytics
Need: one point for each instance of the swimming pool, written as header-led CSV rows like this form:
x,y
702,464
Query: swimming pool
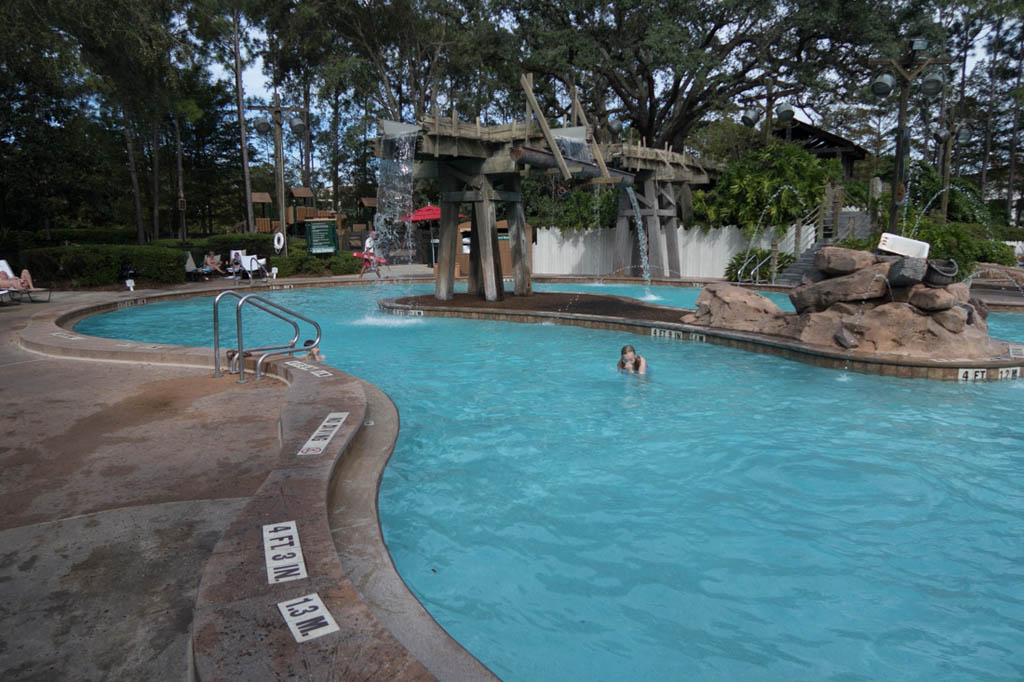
x,y
732,516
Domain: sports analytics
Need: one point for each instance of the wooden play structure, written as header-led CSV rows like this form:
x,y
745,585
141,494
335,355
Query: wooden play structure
x,y
483,165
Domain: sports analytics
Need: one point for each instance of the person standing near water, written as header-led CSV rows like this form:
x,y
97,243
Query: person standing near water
x,y
631,362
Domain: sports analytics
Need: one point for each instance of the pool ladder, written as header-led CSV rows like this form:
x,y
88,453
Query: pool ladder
x,y
277,310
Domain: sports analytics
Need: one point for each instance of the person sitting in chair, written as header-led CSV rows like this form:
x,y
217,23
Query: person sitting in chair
x,y
212,264
22,283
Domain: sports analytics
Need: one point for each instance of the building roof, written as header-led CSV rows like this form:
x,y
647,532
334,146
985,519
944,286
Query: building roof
x,y
261,198
820,142
302,192
369,202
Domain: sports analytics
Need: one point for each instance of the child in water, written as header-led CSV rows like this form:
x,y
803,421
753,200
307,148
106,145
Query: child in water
x,y
631,362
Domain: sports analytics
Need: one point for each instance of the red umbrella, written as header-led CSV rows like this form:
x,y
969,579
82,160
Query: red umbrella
x,y
425,214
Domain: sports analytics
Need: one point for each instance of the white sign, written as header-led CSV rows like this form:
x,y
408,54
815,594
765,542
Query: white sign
x,y
283,552
306,367
666,333
321,438
1017,351
307,617
971,374
1009,373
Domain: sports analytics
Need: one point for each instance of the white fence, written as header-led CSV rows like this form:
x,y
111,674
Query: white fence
x,y
589,252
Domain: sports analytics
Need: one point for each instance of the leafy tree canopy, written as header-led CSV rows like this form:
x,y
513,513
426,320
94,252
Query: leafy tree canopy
x,y
769,187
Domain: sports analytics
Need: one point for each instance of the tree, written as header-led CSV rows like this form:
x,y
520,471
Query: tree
x,y
665,67
771,187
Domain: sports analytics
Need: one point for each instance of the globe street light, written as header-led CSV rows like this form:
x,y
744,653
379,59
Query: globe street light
x,y
783,113
907,68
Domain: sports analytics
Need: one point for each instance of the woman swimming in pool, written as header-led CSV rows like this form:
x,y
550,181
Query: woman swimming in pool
x,y
631,362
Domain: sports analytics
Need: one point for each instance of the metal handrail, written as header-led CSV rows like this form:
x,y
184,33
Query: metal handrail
x,y
256,300
236,361
237,366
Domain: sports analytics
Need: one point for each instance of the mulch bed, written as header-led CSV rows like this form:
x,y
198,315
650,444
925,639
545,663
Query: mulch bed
x,y
584,304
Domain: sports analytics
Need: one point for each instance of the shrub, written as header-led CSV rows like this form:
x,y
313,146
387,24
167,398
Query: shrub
x,y
344,263
749,259
101,264
959,242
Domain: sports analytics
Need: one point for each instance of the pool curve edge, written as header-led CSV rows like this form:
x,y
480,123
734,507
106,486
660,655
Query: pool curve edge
x,y
237,630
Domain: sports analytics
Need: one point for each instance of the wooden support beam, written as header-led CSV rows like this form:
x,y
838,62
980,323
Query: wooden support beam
x,y
482,195
444,285
517,239
598,156
655,245
467,179
622,254
475,284
544,129
488,260
668,195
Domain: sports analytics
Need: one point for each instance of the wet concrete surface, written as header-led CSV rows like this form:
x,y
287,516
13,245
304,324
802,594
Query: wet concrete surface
x,y
118,481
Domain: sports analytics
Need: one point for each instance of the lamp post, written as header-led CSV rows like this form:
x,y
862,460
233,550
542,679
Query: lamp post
x,y
952,131
908,67
263,126
783,113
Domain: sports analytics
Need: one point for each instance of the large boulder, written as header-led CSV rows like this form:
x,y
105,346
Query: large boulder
x,y
732,307
833,260
901,329
931,299
954,319
864,284
961,291
906,272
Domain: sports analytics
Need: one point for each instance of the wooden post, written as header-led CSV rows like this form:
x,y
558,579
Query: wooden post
x,y
488,261
517,239
655,245
532,101
444,285
622,256
819,226
775,258
475,284
671,230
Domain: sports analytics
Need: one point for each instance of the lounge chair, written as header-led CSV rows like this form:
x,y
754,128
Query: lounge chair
x,y
191,271
32,294
242,263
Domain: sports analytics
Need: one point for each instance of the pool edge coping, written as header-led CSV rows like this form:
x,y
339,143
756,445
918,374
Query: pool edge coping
x,y
861,362
50,332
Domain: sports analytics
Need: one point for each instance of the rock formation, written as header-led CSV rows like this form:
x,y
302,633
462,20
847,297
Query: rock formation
x,y
857,300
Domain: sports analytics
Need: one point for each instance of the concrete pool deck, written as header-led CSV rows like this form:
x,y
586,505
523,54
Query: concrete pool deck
x,y
135,488
137,493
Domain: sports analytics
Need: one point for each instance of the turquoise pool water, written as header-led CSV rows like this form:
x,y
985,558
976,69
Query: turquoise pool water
x,y
732,516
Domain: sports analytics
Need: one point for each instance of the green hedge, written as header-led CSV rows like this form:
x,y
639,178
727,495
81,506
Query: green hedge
x,y
101,264
300,263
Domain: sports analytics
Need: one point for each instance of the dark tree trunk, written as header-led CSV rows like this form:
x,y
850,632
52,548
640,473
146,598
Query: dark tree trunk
x,y
240,104
1012,161
156,178
140,228
182,207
